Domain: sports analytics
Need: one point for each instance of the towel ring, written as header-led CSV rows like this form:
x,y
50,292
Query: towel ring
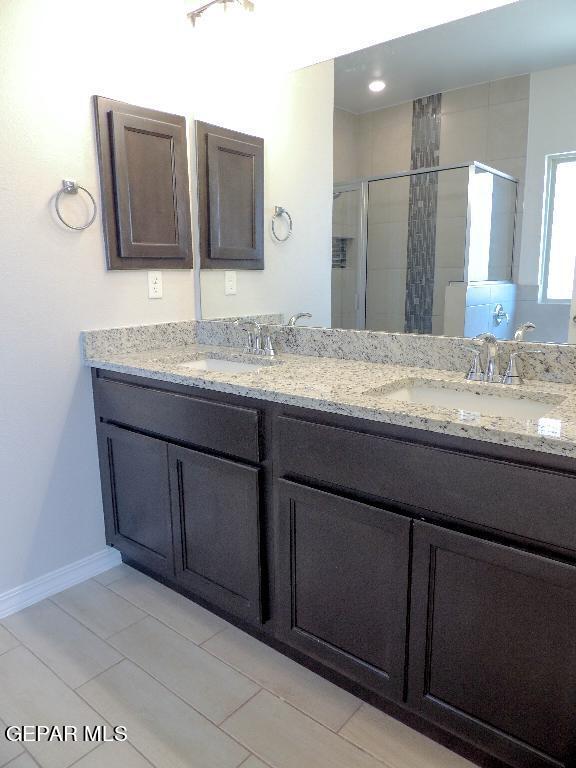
x,y
70,187
278,212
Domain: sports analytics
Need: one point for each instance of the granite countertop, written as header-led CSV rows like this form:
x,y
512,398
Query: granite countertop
x,y
347,387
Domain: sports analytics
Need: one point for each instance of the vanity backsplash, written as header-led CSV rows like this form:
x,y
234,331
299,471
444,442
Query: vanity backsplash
x,y
541,362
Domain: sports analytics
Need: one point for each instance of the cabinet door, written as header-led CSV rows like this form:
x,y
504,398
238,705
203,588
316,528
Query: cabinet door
x,y
343,585
216,518
135,490
230,198
144,181
493,646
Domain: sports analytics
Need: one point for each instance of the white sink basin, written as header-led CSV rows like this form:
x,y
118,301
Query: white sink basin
x,y
222,366
474,399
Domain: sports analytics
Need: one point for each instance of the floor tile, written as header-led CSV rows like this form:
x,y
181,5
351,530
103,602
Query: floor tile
x,y
253,762
114,755
285,738
396,744
24,761
7,640
8,749
290,681
113,574
65,645
98,608
160,725
169,607
31,694
207,684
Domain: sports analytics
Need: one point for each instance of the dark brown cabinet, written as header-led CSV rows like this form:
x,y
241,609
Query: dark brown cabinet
x,y
230,198
183,513
343,579
493,646
143,164
216,514
136,497
350,546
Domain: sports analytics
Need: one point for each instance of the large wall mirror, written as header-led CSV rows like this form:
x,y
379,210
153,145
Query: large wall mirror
x,y
452,198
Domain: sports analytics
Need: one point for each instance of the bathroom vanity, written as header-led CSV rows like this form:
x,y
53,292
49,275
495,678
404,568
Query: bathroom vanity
x,y
433,574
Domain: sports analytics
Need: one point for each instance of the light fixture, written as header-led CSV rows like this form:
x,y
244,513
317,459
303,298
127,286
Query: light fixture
x,y
248,5
376,86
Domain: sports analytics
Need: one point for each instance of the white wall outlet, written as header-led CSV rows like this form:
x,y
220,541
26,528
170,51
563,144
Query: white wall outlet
x,y
154,285
229,283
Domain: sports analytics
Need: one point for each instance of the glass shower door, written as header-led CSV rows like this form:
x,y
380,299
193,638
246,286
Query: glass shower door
x,y
388,209
349,256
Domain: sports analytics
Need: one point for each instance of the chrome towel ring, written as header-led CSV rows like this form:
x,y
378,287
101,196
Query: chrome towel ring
x,y
278,212
70,187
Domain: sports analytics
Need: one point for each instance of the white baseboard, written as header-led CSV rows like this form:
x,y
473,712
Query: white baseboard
x,y
56,581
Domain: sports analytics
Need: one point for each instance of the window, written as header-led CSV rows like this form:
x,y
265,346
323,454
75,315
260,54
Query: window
x,y
558,241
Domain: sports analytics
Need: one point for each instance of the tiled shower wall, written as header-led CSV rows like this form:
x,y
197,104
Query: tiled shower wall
x,y
488,123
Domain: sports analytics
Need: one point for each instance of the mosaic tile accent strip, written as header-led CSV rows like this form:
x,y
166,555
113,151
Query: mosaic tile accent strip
x,y
339,248
422,205
426,132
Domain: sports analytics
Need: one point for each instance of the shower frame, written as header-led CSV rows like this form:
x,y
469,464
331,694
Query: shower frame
x,y
362,184
362,261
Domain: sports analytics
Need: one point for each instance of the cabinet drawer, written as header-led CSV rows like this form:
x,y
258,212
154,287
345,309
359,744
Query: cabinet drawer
x,y
535,504
228,429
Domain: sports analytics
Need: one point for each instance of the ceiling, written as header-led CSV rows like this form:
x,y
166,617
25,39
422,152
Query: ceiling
x,y
512,40
284,35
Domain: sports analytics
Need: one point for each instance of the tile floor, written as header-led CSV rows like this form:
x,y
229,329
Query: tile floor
x,y
193,691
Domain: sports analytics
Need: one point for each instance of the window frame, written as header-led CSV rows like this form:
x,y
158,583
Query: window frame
x,y
552,163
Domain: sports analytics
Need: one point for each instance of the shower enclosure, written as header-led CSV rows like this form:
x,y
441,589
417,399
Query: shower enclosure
x,y
407,247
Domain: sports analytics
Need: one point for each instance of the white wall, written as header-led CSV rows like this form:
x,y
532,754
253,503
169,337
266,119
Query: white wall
x,y
54,281
552,118
294,116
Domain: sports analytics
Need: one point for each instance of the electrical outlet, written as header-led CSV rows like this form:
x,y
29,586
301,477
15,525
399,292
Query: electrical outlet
x,y
229,283
154,285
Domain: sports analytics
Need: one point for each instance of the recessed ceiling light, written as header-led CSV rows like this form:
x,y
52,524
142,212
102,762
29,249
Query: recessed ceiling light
x,y
377,85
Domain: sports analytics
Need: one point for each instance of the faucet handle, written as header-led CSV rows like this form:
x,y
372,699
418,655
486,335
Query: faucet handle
x,y
475,372
512,373
268,347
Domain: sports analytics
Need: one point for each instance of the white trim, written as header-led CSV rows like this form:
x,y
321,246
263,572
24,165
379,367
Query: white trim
x,y
33,591
552,163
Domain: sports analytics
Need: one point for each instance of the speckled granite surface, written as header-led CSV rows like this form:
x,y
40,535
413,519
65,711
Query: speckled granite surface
x,y
556,362
343,386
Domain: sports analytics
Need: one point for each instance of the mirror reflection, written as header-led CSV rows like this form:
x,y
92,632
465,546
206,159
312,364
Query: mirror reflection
x,y
400,244
454,180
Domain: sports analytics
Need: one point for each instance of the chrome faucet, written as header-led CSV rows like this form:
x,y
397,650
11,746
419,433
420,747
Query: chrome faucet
x,y
512,373
522,329
259,341
294,319
489,341
254,331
